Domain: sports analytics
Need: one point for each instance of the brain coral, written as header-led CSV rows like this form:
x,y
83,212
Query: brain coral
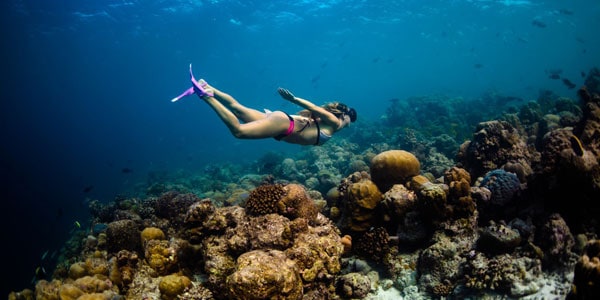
x,y
392,167
263,199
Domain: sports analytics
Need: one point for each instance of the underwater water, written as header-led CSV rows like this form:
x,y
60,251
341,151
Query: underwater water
x,y
86,111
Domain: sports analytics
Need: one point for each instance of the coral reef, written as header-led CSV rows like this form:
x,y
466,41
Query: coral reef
x,y
355,218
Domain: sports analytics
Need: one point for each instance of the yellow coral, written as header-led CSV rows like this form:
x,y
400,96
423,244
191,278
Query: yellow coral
x,y
69,292
173,285
457,174
392,167
587,272
47,290
152,233
160,256
365,194
418,182
363,198
77,270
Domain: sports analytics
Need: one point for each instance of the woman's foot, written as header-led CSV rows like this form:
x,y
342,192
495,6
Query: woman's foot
x,y
200,86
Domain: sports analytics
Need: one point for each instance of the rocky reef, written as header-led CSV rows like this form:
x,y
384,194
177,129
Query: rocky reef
x,y
508,213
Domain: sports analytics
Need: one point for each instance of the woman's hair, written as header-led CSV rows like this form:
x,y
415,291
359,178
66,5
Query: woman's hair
x,y
336,108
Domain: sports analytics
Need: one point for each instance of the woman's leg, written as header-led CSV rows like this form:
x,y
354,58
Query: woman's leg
x,y
268,126
244,113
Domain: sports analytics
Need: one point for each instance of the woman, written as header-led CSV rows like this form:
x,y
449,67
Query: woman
x,y
313,126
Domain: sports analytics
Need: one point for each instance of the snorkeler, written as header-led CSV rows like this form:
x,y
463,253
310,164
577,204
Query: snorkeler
x,y
312,126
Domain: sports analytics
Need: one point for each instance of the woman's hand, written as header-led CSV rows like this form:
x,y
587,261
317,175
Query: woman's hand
x,y
285,94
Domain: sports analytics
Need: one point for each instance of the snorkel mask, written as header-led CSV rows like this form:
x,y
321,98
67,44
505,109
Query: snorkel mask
x,y
352,114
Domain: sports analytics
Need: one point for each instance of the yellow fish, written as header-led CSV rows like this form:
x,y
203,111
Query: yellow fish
x,y
77,224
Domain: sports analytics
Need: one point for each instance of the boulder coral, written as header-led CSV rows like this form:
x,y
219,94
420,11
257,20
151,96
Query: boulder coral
x,y
396,202
296,203
498,238
173,285
363,198
265,274
353,286
459,192
317,253
504,186
392,167
123,235
160,256
432,201
586,284
151,233
556,240
373,244
494,144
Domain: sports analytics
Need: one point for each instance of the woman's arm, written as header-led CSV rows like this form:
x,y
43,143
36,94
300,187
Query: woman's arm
x,y
318,111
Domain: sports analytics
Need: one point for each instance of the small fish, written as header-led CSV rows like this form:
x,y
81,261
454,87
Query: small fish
x,y
477,66
565,11
582,74
126,170
40,272
576,146
538,23
88,188
554,74
568,83
77,224
315,78
45,254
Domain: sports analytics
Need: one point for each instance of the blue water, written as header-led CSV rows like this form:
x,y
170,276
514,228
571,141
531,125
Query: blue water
x,y
86,84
